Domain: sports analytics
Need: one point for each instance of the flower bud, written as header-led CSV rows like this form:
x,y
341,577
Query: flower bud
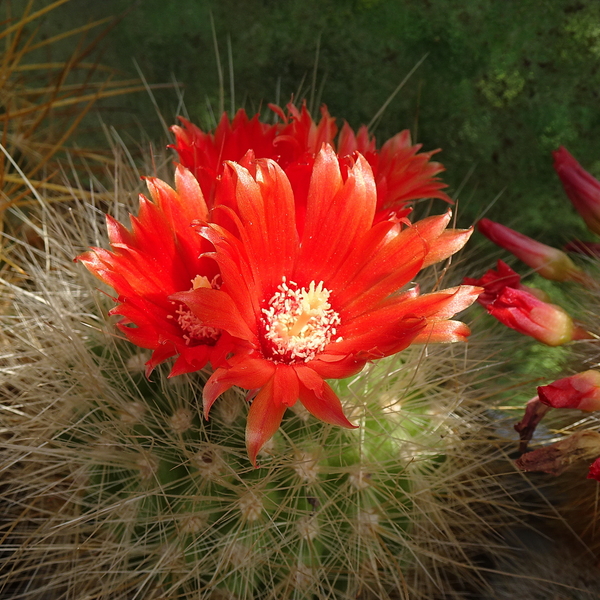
x,y
527,314
581,391
549,262
582,189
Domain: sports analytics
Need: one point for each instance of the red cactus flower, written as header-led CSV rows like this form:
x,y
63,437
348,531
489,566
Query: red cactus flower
x,y
549,262
525,309
581,391
582,189
402,174
204,153
494,282
318,304
160,256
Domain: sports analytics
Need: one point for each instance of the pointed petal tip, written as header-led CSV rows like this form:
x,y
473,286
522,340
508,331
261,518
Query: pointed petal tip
x,y
325,406
264,418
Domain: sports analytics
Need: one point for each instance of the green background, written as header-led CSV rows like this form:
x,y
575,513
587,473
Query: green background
x,y
504,82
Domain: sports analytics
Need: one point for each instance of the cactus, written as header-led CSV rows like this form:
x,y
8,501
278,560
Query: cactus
x,y
117,487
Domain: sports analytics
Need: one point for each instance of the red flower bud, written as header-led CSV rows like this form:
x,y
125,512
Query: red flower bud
x,y
583,189
549,262
524,312
580,391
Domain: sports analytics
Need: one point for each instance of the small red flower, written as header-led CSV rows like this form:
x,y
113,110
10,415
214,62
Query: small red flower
x,y
581,391
583,189
520,307
494,281
305,306
160,256
549,262
594,472
402,174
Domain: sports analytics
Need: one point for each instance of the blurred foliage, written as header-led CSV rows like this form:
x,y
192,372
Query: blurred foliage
x,y
49,86
504,83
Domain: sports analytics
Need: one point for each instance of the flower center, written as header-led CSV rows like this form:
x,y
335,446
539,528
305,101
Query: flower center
x,y
299,323
194,329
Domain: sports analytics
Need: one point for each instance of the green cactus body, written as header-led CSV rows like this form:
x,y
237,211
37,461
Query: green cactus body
x,y
179,496
118,488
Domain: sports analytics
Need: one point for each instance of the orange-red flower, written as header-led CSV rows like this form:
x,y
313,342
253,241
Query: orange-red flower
x,y
305,306
402,174
160,256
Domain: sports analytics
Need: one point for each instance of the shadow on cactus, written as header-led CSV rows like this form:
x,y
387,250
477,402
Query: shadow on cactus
x,y
119,488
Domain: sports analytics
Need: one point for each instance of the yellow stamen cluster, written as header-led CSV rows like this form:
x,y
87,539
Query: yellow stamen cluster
x,y
299,323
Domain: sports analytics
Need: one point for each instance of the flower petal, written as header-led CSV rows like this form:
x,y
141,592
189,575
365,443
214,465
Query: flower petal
x,y
447,244
337,366
217,309
267,220
325,406
436,306
337,215
285,385
250,373
264,418
443,332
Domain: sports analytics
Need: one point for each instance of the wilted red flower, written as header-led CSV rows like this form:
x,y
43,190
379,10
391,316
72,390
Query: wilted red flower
x,y
534,413
549,262
494,281
594,472
520,307
318,304
582,188
581,391
160,256
402,174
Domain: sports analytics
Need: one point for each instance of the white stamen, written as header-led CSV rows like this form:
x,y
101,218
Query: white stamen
x,y
192,326
299,323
